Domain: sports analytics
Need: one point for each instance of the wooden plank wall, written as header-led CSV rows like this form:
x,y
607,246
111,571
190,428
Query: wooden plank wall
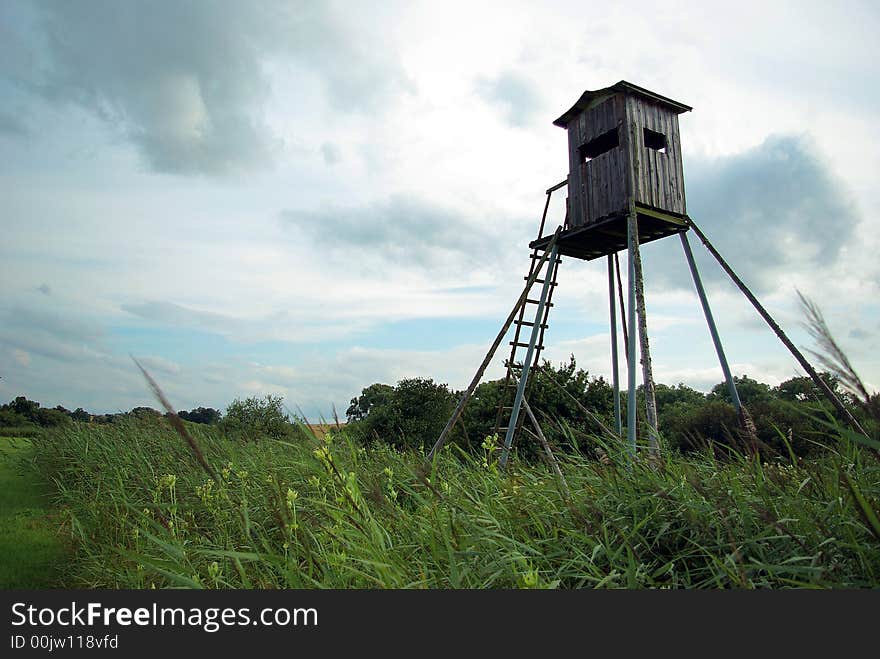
x,y
659,176
600,185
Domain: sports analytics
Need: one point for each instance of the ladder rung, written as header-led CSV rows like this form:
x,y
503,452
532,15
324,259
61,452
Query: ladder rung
x,y
520,344
531,301
541,281
529,323
538,257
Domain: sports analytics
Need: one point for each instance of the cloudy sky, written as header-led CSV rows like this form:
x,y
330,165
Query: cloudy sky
x,y
304,198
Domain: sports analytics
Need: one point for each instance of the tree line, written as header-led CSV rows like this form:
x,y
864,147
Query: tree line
x,y
573,407
22,412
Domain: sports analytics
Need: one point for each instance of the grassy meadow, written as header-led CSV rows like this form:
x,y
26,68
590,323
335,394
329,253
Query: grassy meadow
x,y
323,511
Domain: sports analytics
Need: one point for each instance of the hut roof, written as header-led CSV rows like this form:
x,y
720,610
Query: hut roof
x,y
588,98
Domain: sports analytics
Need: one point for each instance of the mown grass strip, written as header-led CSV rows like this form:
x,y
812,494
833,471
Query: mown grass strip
x,y
31,547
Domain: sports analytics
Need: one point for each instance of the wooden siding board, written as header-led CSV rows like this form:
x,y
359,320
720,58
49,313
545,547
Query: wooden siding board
x,y
674,179
679,167
644,155
672,184
656,159
573,177
661,189
651,155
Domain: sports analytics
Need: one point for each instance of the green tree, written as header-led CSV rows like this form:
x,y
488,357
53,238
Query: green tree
x,y
750,391
375,395
255,417
689,427
410,414
206,415
802,388
27,408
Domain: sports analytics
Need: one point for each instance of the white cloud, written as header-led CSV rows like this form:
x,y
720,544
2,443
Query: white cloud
x,y
408,145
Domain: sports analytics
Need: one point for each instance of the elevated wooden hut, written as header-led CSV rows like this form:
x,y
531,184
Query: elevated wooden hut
x,y
624,154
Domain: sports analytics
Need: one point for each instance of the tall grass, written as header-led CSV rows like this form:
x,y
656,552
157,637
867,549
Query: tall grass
x,y
312,512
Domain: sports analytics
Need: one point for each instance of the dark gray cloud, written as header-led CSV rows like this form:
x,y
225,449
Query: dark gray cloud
x,y
517,97
771,210
185,82
402,229
12,125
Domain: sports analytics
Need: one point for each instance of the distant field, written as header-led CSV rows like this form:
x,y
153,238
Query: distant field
x,y
321,429
30,543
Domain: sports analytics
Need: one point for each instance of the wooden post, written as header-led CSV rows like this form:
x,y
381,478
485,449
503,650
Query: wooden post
x,y
622,307
615,376
647,372
833,399
551,247
631,237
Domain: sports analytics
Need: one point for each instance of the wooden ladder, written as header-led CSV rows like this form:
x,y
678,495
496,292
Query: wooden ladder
x,y
514,362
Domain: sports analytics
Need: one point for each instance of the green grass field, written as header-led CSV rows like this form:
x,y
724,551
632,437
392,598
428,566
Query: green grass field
x,y
324,512
31,545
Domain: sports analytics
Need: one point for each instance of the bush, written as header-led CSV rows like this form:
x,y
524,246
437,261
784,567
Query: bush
x,y
688,428
411,414
254,417
10,419
557,396
206,415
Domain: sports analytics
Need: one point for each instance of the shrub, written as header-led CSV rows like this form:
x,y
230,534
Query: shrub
x,y
687,427
254,417
413,413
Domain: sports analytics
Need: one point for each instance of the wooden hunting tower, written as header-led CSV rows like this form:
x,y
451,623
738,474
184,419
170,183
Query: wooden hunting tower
x,y
624,154
625,187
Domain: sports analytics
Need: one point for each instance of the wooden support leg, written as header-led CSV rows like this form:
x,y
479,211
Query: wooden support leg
x,y
798,355
747,426
647,372
710,321
615,376
631,231
623,324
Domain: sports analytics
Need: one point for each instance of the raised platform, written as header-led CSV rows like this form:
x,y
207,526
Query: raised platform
x,y
608,235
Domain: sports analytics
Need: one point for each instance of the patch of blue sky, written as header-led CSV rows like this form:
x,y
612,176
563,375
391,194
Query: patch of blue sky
x,y
185,346
176,344
424,334
445,333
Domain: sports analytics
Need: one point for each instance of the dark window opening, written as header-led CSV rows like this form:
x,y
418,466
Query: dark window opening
x,y
654,140
599,145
